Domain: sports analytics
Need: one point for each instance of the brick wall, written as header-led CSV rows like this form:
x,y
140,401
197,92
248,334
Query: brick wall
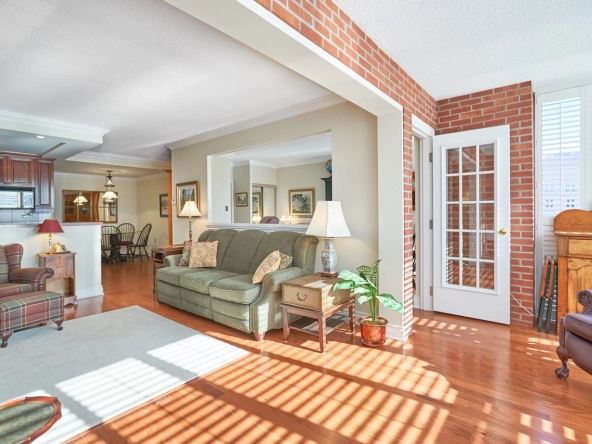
x,y
323,23
511,105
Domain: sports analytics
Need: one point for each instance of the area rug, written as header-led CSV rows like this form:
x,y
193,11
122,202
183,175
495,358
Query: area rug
x,y
103,365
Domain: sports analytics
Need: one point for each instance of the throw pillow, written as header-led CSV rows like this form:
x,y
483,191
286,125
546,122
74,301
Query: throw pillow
x,y
186,254
269,264
285,261
203,254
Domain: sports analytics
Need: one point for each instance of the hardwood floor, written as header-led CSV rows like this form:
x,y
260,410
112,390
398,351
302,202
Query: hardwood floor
x,y
455,381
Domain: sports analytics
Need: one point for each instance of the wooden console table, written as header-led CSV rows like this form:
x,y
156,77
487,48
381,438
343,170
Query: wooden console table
x,y
158,255
64,274
573,229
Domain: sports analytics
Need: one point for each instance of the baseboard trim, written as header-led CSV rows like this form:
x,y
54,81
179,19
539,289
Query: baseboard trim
x,y
395,332
89,292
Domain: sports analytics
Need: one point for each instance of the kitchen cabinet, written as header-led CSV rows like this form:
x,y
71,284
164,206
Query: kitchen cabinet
x,y
17,170
64,274
44,184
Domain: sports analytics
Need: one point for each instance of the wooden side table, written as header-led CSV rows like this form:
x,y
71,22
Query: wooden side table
x,y
64,274
319,323
158,255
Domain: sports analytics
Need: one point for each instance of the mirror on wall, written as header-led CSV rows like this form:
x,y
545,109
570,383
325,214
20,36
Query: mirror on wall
x,y
259,182
88,206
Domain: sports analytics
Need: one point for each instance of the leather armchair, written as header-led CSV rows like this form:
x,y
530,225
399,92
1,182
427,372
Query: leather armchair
x,y
575,337
17,280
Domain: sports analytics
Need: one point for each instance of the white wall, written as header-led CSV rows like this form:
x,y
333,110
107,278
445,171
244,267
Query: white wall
x,y
354,145
242,184
126,189
297,178
221,191
263,175
84,239
148,207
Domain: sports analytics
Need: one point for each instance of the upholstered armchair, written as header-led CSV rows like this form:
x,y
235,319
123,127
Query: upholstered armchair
x,y
575,337
16,280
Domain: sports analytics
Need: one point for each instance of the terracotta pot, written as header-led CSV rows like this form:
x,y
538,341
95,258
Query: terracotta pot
x,y
373,335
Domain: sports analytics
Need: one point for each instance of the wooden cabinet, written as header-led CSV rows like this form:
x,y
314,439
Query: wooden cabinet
x,y
573,229
17,170
64,274
44,184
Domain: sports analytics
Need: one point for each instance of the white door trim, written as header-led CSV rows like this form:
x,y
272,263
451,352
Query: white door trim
x,y
424,191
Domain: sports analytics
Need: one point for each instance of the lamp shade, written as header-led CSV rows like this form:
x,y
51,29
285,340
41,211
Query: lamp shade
x,y
50,226
190,209
328,220
109,195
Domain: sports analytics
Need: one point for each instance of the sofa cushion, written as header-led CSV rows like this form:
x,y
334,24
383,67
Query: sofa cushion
x,y
241,251
201,281
285,261
203,254
579,324
237,289
14,289
269,264
185,254
224,238
277,240
173,274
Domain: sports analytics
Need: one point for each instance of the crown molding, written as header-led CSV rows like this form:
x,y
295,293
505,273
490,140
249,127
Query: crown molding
x,y
151,177
294,163
52,123
301,108
120,160
94,176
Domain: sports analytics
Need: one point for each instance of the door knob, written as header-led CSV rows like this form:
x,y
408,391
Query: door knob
x,y
503,231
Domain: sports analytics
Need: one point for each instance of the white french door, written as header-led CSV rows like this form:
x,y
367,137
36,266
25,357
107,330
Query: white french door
x,y
472,224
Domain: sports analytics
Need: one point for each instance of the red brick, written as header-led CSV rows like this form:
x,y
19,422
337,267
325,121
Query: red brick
x,y
330,48
286,16
311,34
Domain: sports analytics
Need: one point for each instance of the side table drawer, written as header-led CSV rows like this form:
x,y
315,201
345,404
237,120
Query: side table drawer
x,y
313,292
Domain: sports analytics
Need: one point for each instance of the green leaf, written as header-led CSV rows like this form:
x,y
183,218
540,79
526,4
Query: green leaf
x,y
364,269
362,290
349,276
389,301
344,285
363,299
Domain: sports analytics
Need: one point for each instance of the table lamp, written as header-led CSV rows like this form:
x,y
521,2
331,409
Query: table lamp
x,y
50,226
328,222
190,209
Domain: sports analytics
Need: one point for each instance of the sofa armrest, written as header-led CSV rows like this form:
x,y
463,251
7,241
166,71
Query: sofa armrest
x,y
585,298
273,281
172,260
35,276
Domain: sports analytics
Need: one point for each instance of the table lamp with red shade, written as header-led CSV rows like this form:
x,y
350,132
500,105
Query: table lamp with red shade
x,y
50,226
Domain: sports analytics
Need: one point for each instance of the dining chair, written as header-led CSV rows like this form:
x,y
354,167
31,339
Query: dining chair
x,y
141,242
126,238
110,236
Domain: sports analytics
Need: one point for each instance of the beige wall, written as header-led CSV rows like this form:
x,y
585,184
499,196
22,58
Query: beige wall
x,y
148,208
242,184
355,166
126,190
299,177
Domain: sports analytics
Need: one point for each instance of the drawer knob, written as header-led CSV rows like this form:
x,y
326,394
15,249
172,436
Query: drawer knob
x,y
301,299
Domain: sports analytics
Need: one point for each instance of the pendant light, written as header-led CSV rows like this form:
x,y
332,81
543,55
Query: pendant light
x,y
80,200
109,196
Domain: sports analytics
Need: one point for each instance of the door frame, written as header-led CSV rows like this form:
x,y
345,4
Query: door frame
x,y
424,240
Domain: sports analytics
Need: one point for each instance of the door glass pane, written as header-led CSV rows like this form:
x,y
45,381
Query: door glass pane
x,y
469,273
486,275
486,157
487,246
453,190
452,161
453,216
452,272
469,159
469,217
469,243
469,187
486,187
453,249
486,217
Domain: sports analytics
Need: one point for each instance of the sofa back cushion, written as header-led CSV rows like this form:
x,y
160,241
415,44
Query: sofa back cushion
x,y
276,240
3,266
241,251
14,255
224,238
305,252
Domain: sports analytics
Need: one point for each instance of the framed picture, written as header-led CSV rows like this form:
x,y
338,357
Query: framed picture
x,y
302,202
187,191
256,204
241,199
163,200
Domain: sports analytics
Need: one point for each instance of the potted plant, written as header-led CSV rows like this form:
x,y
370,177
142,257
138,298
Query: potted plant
x,y
365,288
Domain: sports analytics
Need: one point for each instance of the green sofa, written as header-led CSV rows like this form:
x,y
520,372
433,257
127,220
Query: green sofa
x,y
226,293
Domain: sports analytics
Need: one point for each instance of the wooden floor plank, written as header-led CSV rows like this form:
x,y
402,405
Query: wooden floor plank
x,y
456,380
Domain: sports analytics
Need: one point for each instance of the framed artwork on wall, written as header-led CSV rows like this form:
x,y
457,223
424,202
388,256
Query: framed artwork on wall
x,y
302,202
187,191
241,199
256,204
163,200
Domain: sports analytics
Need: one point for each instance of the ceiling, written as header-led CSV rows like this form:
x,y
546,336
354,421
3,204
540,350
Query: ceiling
x,y
143,69
455,47
304,150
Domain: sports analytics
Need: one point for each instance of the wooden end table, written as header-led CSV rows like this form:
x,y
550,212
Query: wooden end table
x,y
319,323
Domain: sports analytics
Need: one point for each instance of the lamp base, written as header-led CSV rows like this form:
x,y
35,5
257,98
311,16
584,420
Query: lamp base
x,y
329,275
329,258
